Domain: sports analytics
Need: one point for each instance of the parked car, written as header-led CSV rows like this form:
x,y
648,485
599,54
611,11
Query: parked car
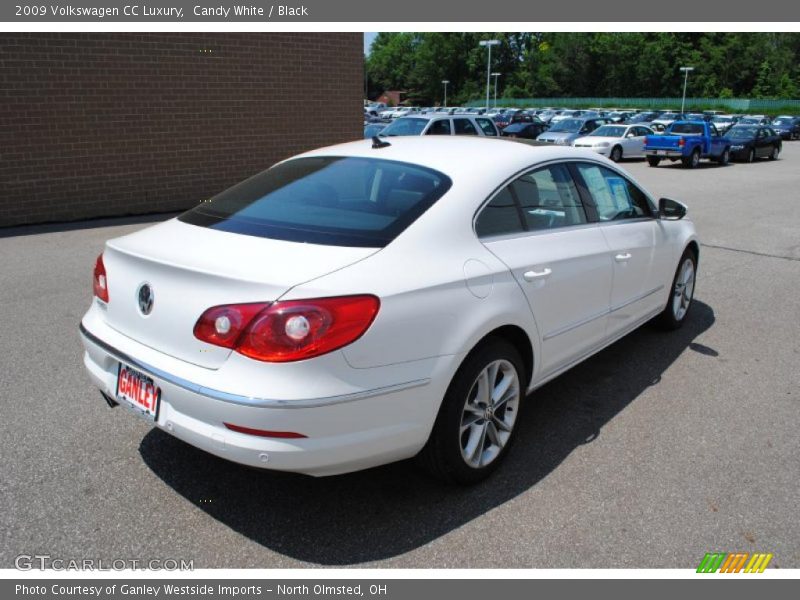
x,y
688,141
667,118
373,129
567,131
642,118
749,142
723,123
367,303
616,141
441,124
524,129
754,120
787,127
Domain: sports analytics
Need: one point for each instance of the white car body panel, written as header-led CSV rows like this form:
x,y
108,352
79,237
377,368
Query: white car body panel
x,y
442,290
632,147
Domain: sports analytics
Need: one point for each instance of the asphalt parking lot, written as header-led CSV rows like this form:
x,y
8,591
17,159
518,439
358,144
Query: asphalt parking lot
x,y
661,448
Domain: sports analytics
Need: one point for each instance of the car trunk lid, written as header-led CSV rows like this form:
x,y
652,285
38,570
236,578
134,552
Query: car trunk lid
x,y
190,269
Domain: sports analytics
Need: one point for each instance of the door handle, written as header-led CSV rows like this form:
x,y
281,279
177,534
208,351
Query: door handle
x,y
622,257
534,275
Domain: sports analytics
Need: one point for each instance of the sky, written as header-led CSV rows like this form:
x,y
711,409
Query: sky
x,y
369,36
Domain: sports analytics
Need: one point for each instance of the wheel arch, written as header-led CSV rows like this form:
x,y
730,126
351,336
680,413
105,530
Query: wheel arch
x,y
517,337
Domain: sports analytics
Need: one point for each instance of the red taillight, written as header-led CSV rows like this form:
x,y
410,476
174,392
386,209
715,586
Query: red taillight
x,y
100,281
681,142
646,140
224,325
288,331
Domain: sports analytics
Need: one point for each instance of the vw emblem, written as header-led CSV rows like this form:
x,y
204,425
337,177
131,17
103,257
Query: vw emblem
x,y
145,296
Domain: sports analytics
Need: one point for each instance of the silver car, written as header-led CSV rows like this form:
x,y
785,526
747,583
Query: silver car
x,y
442,124
565,132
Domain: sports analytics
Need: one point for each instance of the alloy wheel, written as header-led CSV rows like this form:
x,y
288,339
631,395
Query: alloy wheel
x,y
684,289
489,413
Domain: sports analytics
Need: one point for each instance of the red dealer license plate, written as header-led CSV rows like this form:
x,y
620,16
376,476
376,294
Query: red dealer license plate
x,y
138,391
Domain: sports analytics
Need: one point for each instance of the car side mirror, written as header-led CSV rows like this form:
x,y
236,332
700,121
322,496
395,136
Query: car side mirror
x,y
671,209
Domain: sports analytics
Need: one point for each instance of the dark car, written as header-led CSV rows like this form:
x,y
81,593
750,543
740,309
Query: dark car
x,y
523,129
787,127
749,142
642,118
507,117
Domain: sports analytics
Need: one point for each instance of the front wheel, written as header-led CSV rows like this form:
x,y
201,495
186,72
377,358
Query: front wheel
x,y
616,154
774,154
751,156
725,157
476,421
653,161
682,294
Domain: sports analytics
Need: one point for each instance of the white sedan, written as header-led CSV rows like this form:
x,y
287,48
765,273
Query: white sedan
x,y
374,301
617,141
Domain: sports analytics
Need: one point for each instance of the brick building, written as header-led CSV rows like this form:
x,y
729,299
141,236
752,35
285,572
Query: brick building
x,y
99,124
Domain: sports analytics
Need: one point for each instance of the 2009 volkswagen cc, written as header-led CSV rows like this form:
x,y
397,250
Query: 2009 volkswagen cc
x,y
369,302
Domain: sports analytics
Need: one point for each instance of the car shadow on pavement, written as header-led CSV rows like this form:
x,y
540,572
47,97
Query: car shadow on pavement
x,y
147,219
387,511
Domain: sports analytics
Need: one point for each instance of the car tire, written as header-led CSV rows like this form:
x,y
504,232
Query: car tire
x,y
725,157
653,161
774,154
616,154
681,295
692,160
751,156
469,441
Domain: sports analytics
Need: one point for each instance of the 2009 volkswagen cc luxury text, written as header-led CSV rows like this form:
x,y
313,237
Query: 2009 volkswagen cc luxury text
x,y
369,302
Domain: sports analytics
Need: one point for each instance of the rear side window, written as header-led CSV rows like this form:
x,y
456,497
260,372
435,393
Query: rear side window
x,y
464,127
440,127
543,199
549,199
337,201
487,126
499,217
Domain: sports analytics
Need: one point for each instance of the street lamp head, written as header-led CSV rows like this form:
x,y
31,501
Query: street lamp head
x,y
496,74
445,81
489,42
687,69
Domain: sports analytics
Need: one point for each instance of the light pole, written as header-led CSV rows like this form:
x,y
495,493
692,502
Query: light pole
x,y
495,75
489,44
685,81
445,82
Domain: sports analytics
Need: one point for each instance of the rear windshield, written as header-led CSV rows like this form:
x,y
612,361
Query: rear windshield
x,y
336,201
687,128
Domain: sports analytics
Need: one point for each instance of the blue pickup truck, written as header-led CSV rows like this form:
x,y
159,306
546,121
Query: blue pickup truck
x,y
689,142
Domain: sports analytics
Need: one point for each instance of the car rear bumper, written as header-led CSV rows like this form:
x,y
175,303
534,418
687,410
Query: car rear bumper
x,y
664,153
344,431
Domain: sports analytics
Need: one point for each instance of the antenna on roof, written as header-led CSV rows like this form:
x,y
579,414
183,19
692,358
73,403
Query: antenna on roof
x,y
379,143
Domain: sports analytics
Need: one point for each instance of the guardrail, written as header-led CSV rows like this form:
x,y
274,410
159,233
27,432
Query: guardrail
x,y
729,104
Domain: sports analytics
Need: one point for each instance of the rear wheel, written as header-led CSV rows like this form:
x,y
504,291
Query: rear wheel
x,y
692,160
653,161
616,154
682,294
476,421
751,156
725,157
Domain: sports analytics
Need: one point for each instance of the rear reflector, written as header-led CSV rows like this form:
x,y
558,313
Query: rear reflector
x,y
264,432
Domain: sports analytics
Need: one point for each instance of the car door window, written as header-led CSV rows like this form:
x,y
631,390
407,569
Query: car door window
x,y
499,217
549,199
464,127
487,126
440,127
614,196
